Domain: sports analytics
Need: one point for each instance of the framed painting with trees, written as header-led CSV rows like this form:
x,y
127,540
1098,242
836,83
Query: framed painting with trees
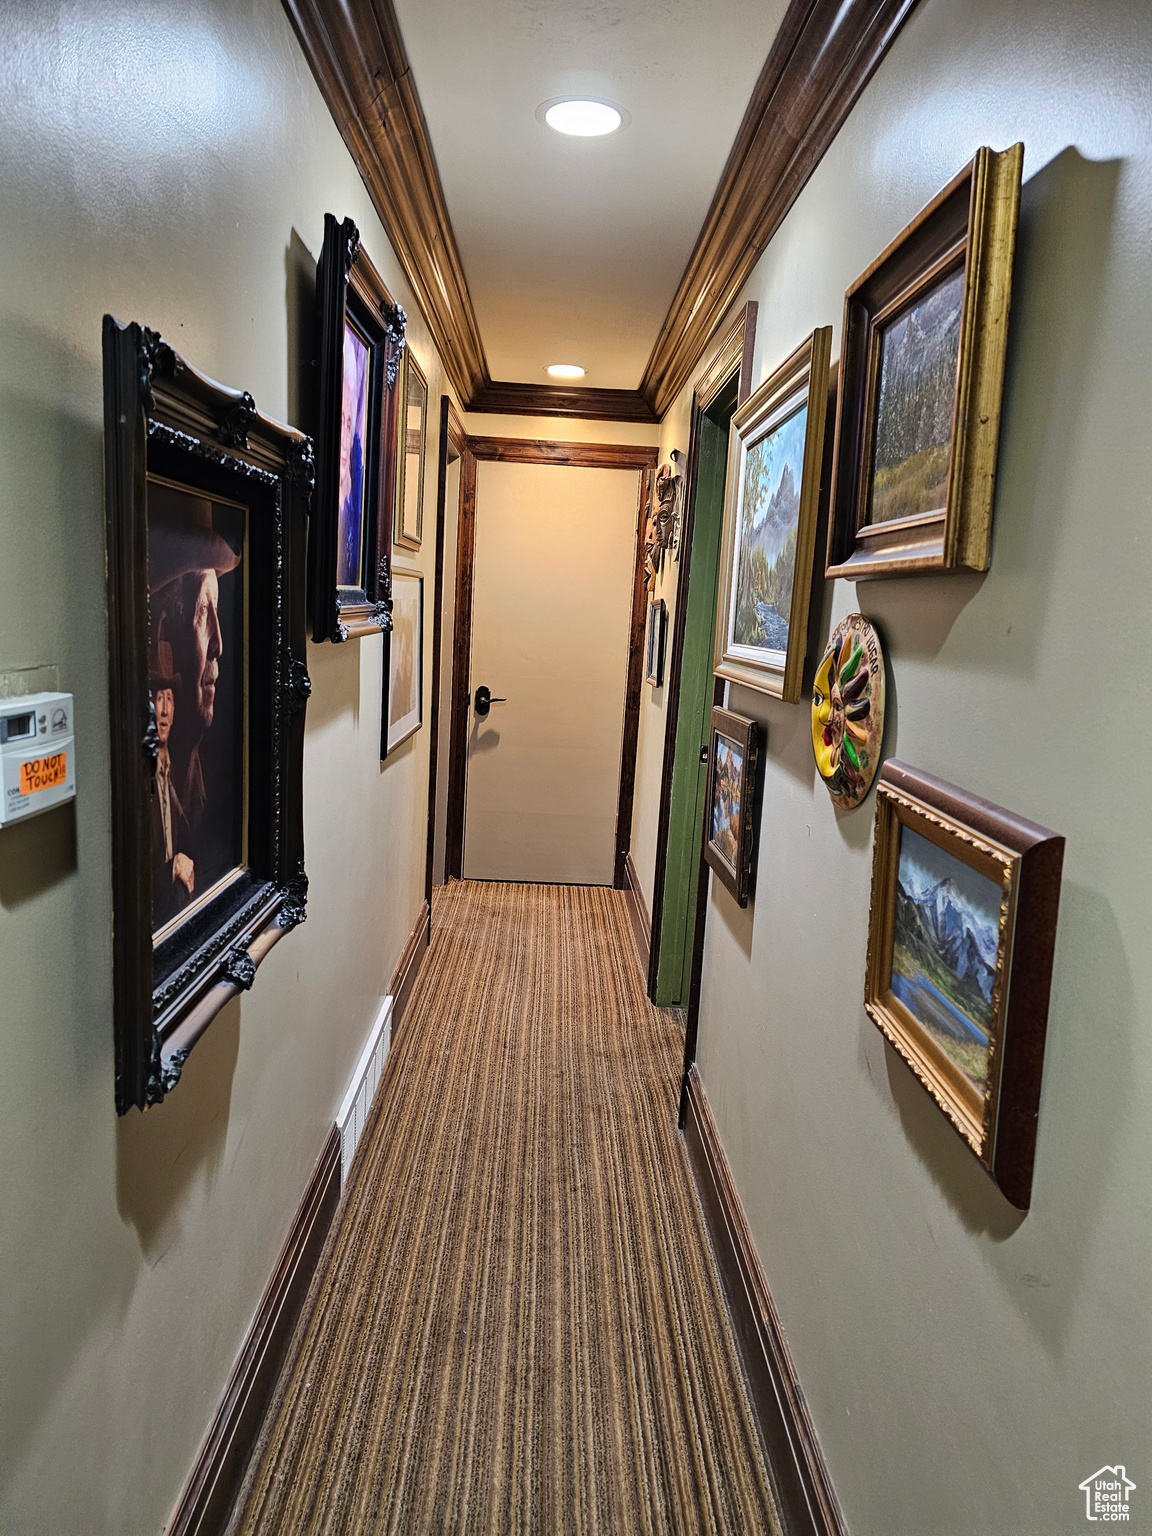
x,y
775,455
921,379
961,936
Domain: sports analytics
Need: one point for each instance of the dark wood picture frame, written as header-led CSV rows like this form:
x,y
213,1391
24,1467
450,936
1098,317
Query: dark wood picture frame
x,y
389,741
802,377
349,288
1023,861
163,418
734,872
969,228
411,374
655,636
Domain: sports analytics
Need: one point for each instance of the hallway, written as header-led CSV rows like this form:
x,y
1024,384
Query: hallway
x,y
518,1324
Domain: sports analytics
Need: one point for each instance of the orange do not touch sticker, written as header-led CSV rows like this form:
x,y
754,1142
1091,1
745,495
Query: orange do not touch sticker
x,y
43,773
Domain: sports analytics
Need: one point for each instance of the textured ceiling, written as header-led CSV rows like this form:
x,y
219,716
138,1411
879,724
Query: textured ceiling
x,y
573,247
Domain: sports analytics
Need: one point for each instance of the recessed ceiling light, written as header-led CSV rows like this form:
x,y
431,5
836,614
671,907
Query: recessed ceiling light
x,y
582,118
565,371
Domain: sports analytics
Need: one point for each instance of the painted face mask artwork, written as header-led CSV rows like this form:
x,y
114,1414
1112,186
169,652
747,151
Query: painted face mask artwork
x,y
848,710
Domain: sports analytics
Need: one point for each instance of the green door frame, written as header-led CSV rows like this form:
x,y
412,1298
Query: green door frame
x,y
724,383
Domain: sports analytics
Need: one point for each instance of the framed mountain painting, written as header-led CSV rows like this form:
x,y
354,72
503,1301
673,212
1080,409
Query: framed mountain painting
x,y
924,343
961,934
775,454
729,800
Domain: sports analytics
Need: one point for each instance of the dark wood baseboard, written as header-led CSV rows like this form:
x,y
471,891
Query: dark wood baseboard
x,y
638,912
215,1479
404,976
803,1488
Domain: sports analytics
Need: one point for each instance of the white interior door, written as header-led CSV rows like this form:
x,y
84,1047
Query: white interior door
x,y
551,610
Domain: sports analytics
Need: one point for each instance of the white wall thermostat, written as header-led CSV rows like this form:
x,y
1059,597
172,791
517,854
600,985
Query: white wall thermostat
x,y
37,755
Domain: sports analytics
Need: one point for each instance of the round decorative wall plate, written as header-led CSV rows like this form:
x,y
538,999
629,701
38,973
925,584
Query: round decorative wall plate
x,y
848,710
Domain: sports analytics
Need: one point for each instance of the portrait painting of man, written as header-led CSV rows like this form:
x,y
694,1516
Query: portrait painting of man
x,y
197,653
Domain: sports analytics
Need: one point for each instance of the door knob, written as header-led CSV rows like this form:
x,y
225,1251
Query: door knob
x,y
484,701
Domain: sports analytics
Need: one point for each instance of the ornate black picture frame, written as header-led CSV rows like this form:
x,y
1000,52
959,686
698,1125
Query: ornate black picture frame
x,y
199,487
360,341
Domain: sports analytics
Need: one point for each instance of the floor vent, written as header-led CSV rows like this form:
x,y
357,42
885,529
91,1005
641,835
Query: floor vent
x,y
357,1105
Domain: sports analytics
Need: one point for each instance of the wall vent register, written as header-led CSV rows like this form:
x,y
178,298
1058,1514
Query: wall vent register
x,y
358,1101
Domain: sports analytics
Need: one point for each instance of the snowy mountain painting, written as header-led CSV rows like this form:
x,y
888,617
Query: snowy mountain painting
x,y
944,951
765,560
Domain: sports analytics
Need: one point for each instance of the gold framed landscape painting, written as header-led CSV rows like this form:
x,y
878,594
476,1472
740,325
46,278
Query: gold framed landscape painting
x,y
775,452
921,381
961,935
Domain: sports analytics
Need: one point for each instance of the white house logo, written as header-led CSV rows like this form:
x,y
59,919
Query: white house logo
x,y
1106,1494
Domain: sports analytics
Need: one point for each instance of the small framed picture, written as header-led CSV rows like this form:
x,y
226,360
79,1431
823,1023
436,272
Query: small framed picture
x,y
961,933
729,800
403,712
775,455
409,519
921,379
654,648
361,343
206,505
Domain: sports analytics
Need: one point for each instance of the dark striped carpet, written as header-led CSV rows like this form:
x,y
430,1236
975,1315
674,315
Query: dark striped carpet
x,y
518,1325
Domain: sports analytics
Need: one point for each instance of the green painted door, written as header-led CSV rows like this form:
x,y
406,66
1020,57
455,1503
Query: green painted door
x,y
689,774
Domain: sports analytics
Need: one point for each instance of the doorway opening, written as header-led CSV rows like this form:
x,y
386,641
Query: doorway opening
x,y
547,663
692,687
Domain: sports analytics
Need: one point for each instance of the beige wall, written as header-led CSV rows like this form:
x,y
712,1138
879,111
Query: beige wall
x,y
965,1366
173,164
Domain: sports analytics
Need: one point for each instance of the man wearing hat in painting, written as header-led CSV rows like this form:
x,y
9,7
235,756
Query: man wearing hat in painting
x,y
187,557
173,870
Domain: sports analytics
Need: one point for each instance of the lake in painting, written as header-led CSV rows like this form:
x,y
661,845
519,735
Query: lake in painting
x,y
765,562
918,353
727,791
946,937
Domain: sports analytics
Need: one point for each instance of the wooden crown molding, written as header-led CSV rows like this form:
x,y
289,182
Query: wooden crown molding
x,y
527,450
553,400
823,56
357,55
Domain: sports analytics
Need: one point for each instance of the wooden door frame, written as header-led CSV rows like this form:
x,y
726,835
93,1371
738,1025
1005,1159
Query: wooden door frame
x,y
515,450
732,356
453,445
